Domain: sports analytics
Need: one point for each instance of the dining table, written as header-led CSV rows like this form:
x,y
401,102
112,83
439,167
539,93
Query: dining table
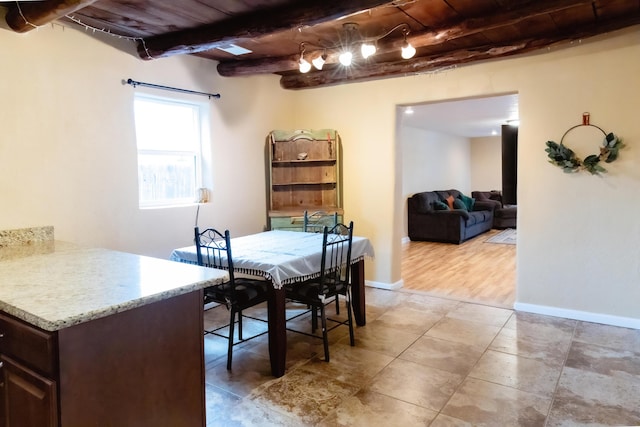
x,y
287,257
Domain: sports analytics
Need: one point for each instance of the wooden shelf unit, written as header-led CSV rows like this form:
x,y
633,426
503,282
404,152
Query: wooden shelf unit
x,y
304,174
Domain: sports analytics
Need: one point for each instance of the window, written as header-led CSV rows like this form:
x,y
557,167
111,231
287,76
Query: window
x,y
169,135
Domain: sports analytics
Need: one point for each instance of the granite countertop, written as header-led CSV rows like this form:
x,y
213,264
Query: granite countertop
x,y
54,285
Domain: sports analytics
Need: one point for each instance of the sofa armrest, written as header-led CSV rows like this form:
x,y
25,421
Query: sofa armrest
x,y
486,205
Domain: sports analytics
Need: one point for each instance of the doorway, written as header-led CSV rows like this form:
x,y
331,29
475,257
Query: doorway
x,y
457,144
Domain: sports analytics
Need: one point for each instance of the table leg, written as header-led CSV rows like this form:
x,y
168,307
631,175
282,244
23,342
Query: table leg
x,y
277,331
357,292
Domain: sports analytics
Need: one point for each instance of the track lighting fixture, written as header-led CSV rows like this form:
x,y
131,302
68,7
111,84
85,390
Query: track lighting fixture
x,y
367,49
407,50
345,58
319,61
351,39
303,64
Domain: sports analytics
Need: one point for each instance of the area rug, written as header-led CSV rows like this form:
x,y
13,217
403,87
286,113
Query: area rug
x,y
507,237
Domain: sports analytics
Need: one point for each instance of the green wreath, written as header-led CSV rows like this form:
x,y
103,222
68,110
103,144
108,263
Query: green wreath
x,y
564,157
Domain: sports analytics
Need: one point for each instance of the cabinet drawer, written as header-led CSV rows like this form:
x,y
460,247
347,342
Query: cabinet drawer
x,y
291,223
32,346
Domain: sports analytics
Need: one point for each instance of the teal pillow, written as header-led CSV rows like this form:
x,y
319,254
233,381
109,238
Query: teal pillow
x,y
459,204
469,202
440,206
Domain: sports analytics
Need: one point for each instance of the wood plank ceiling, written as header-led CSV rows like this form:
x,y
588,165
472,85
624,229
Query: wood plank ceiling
x,y
445,33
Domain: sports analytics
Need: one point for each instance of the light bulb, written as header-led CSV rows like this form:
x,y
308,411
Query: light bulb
x,y
304,65
318,62
345,58
367,49
408,51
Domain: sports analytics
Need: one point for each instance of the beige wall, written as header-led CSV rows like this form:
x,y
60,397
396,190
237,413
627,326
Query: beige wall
x,y
67,156
433,161
68,151
486,163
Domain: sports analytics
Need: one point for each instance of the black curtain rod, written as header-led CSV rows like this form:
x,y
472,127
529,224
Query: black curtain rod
x,y
175,89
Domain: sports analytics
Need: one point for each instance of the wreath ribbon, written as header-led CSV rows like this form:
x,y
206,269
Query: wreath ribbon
x,y
562,156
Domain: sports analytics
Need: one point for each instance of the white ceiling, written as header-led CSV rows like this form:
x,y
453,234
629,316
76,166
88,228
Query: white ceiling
x,y
467,118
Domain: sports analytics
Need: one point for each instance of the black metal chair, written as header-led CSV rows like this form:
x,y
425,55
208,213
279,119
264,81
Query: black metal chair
x,y
333,281
315,222
239,293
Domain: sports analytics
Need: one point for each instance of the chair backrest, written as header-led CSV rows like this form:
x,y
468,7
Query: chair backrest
x,y
316,221
336,253
213,249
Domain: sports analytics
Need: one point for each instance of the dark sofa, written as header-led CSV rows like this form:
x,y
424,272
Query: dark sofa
x,y
504,216
426,222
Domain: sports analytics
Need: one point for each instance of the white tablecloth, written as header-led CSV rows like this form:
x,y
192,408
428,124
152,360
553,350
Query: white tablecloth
x,y
280,256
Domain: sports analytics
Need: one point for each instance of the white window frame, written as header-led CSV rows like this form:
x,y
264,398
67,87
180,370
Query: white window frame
x,y
203,117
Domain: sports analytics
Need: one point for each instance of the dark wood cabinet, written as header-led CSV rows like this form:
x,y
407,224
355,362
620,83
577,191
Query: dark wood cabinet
x,y
30,398
145,364
304,174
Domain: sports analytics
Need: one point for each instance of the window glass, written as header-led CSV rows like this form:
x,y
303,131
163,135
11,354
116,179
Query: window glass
x,y
169,140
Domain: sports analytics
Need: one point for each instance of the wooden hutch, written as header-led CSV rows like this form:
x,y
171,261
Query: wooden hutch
x,y
304,174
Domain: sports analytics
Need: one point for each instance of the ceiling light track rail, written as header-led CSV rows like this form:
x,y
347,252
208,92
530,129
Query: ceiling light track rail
x,y
173,89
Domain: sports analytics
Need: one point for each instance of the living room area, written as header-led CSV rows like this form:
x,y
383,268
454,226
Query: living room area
x,y
458,145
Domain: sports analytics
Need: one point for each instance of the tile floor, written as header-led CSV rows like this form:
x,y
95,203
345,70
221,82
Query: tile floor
x,y
428,361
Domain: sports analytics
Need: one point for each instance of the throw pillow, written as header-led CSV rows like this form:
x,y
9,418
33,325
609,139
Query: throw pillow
x,y
440,206
449,201
468,201
459,204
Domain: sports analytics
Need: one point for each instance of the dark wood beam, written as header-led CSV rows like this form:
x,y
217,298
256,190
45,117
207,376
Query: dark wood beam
x,y
25,16
257,24
458,29
442,61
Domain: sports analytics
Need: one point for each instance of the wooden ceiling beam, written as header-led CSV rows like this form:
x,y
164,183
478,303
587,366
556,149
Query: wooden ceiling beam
x,y
442,61
26,16
436,37
254,25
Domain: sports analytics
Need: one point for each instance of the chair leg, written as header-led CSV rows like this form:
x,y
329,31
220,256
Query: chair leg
x,y
352,339
314,319
337,304
230,350
325,337
240,325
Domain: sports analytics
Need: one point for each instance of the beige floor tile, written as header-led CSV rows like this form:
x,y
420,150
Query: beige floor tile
x,y
591,398
535,337
369,409
421,385
603,360
249,370
481,313
482,403
530,375
608,336
419,301
353,365
529,322
390,341
447,421
408,319
476,334
307,396
449,356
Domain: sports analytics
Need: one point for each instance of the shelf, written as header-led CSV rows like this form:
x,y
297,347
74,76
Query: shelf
x,y
304,183
298,162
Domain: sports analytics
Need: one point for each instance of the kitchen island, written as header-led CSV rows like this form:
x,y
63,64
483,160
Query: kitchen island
x,y
94,337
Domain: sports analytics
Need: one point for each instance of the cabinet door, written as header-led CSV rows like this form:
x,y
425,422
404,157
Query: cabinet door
x,y
30,400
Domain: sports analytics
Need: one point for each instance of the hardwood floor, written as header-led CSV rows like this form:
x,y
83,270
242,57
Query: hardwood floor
x,y
472,271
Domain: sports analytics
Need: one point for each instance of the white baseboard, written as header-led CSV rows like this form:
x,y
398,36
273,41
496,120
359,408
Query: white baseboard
x,y
586,316
388,286
405,240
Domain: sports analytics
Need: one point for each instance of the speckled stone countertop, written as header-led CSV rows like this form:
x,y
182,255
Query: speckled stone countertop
x,y
54,285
